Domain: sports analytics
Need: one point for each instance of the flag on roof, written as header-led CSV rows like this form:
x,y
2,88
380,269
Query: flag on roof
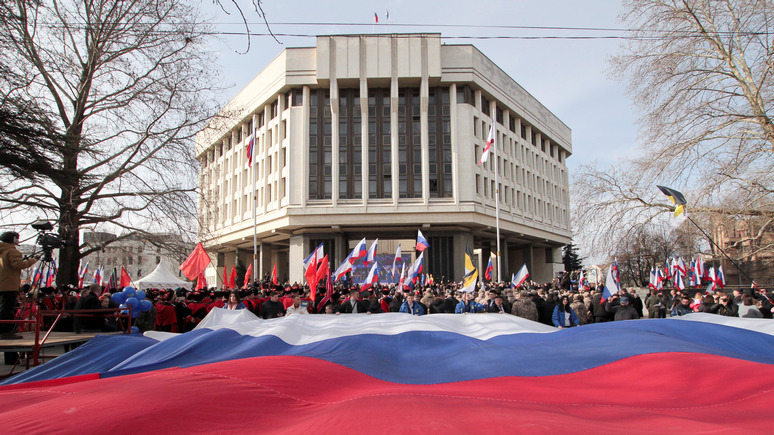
x,y
470,279
376,18
296,369
422,243
522,275
489,147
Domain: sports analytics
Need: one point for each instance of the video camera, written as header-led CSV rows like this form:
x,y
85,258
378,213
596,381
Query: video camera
x,y
47,240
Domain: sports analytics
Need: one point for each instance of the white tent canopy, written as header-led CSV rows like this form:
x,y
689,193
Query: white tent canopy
x,y
161,277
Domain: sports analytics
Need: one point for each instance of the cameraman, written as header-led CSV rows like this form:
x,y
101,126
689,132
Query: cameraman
x,y
11,265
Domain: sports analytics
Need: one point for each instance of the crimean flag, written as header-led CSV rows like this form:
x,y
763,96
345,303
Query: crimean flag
x,y
248,276
125,280
489,147
383,359
611,285
470,279
422,243
680,203
489,270
232,278
196,262
522,275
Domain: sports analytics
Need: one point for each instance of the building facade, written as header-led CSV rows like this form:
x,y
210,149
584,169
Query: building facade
x,y
137,254
379,136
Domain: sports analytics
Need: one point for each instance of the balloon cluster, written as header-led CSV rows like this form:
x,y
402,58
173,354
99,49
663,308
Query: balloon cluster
x,y
132,298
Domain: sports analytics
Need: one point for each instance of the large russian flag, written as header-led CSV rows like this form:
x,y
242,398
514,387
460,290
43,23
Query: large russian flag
x,y
438,373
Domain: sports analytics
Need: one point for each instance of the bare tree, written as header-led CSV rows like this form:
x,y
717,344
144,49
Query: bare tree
x,y
128,83
700,72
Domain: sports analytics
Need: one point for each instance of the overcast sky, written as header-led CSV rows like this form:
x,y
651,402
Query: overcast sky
x,y
568,75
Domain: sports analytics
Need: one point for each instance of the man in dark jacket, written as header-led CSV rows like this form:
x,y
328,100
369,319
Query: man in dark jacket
x,y
272,308
354,304
621,308
598,308
725,307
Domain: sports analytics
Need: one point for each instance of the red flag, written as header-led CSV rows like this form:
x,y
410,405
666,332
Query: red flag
x,y
201,282
328,293
225,277
311,272
248,275
274,279
232,279
322,271
125,280
195,264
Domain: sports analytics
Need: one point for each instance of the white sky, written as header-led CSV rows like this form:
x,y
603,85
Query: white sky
x,y
569,76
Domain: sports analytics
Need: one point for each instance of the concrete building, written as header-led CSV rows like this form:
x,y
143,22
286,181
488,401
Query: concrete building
x,y
138,255
379,136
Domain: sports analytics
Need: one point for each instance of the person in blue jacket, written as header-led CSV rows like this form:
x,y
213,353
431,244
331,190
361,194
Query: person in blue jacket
x,y
564,316
410,306
468,305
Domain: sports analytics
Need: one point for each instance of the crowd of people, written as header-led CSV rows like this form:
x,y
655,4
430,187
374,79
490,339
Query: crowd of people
x,y
559,303
180,310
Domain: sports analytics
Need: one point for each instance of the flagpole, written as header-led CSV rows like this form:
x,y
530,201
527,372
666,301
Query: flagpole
x,y
255,230
497,197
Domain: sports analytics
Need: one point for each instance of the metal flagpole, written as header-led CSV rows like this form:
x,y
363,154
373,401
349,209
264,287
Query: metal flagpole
x,y
255,231
497,195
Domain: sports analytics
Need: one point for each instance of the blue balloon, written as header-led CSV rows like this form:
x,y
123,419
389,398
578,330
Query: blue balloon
x,y
140,295
132,302
129,292
145,305
135,314
135,330
118,298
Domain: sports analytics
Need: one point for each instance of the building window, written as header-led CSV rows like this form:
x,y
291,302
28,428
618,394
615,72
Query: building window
x,y
439,145
297,97
274,109
379,150
350,145
409,144
464,94
261,119
320,145
484,104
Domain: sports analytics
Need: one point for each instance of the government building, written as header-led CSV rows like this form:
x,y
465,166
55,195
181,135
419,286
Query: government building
x,y
379,136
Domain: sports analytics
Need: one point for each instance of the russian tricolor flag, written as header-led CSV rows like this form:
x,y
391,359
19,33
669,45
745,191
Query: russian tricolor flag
x,y
359,251
489,269
422,243
308,373
371,279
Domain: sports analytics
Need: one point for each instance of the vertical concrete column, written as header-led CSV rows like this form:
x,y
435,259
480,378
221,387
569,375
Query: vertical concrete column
x,y
298,246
